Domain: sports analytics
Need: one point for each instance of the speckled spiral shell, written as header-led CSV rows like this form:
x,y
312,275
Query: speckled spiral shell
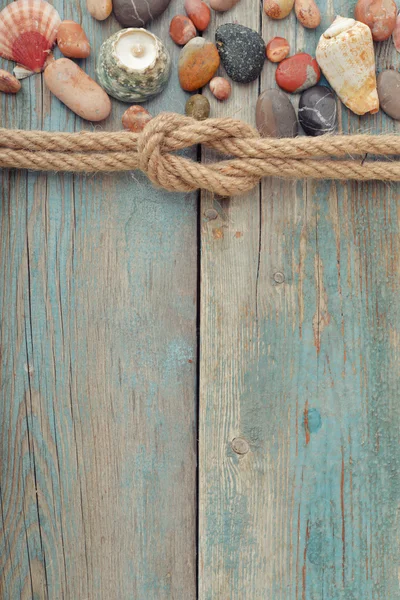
x,y
130,85
345,53
28,30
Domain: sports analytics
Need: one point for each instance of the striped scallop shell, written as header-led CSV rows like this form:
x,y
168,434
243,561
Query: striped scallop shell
x,y
28,30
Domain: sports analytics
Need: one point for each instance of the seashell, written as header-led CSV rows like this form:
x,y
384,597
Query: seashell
x,y
278,9
28,30
379,15
133,65
345,53
396,34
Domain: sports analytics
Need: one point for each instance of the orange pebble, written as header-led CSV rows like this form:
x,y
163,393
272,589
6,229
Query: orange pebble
x,y
136,118
182,30
72,40
199,12
198,63
220,88
277,49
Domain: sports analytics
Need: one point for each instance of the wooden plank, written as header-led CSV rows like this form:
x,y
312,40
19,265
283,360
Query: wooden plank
x,y
98,370
300,326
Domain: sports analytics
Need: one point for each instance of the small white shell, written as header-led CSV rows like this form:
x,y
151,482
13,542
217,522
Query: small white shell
x,y
345,53
28,30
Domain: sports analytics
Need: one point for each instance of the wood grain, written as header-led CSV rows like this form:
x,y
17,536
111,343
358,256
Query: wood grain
x,y
299,357
98,369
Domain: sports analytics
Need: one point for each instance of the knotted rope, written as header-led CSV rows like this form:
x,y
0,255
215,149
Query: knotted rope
x,y
151,152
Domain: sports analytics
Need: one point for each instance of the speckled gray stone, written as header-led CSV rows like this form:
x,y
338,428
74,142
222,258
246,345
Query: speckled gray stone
x,y
242,51
388,85
318,111
275,115
136,13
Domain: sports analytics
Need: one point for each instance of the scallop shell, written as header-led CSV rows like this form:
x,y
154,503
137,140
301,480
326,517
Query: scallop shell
x,y
28,30
133,84
345,53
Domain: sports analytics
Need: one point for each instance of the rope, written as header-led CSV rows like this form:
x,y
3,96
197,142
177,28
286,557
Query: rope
x,y
151,151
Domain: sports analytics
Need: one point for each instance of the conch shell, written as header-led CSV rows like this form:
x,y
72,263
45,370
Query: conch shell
x,y
345,53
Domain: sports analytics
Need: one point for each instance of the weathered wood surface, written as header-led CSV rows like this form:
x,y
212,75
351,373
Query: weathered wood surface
x,y
300,326
98,370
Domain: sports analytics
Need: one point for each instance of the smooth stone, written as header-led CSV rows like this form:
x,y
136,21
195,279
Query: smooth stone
x,y
242,51
220,88
136,13
72,40
136,118
198,63
388,84
198,107
8,83
297,73
99,9
222,5
277,49
182,30
318,111
199,12
275,115
77,90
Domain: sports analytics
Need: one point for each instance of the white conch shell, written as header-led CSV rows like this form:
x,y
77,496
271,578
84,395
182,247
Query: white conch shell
x,y
345,53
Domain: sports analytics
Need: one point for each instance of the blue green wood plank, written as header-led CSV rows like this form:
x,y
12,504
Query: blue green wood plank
x,y
307,372
98,371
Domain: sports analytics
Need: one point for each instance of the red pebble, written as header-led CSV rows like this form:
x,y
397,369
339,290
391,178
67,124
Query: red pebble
x,y
136,118
297,73
182,30
199,12
277,49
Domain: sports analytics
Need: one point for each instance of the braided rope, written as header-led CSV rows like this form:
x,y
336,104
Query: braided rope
x,y
254,157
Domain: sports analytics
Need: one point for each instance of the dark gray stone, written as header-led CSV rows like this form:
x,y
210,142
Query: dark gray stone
x,y
275,115
388,84
136,13
318,111
242,52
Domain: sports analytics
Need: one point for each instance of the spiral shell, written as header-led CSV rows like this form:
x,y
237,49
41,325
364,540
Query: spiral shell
x,y
28,30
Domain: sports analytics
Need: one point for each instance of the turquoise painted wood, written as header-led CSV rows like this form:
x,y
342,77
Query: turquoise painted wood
x,y
300,325
98,370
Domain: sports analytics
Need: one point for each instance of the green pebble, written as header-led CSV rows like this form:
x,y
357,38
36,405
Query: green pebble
x,y
198,107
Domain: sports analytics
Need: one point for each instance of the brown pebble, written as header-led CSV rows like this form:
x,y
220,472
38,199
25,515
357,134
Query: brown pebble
x,y
136,118
388,84
198,107
77,90
307,12
99,9
8,83
277,49
199,12
221,88
72,40
182,30
198,63
379,15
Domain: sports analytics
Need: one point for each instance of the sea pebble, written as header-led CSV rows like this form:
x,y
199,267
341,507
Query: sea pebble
x,y
136,118
297,73
389,93
275,115
222,5
198,63
198,107
396,34
277,49
136,13
307,12
99,9
72,40
199,12
278,9
379,15
220,88
8,83
77,90
318,111
242,52
182,30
